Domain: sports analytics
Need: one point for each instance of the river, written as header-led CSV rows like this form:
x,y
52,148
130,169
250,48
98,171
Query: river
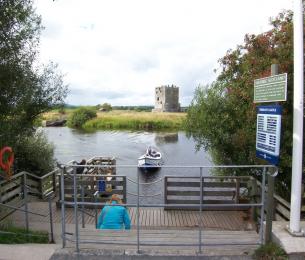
x,y
126,147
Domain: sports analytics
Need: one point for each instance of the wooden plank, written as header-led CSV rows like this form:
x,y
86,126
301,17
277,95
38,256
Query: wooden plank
x,y
32,183
178,236
184,218
92,181
191,221
159,216
197,193
142,217
184,201
193,218
283,211
166,218
180,219
282,201
174,218
278,217
170,218
69,190
10,185
11,194
197,184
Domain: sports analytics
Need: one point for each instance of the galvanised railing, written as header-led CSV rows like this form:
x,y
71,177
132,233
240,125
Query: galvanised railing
x,y
260,169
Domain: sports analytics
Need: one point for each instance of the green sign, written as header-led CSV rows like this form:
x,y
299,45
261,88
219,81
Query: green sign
x,y
271,89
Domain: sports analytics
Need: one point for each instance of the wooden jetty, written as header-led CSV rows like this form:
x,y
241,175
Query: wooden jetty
x,y
150,218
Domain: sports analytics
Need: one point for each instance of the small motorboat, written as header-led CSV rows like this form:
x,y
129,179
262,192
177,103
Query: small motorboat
x,y
152,159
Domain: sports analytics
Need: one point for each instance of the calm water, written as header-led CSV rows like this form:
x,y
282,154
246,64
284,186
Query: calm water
x,y
126,147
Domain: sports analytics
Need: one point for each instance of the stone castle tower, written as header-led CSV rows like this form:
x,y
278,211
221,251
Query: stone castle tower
x,y
167,99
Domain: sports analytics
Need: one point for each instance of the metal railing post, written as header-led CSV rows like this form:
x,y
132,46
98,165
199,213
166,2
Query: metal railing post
x,y
200,213
261,232
62,198
25,194
269,209
95,208
138,213
51,219
75,209
83,208
54,181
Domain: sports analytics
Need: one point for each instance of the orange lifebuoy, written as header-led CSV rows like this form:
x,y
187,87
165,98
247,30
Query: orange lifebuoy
x,y
6,165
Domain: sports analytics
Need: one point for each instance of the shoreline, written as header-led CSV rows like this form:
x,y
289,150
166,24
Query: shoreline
x,y
126,120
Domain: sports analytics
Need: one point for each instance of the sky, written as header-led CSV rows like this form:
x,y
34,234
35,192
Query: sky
x,y
118,51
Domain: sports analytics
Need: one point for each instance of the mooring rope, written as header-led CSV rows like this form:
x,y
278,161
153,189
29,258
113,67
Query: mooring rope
x,y
145,183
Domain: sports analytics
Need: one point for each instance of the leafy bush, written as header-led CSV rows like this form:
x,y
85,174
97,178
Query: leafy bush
x,y
34,154
80,116
106,107
222,116
270,251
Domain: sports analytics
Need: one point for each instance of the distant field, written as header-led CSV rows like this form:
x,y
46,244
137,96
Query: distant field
x,y
121,119
124,119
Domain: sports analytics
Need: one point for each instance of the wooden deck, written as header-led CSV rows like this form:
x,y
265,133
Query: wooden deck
x,y
150,218
177,239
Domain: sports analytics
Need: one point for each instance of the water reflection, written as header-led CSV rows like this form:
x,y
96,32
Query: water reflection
x,y
162,138
126,147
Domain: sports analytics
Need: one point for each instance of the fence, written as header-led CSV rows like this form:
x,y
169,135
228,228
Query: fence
x,y
14,191
87,186
14,194
215,190
230,190
77,204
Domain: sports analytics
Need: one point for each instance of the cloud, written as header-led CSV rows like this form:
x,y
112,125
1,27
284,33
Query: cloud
x,y
118,51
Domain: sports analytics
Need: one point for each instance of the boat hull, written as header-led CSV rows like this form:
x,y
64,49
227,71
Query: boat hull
x,y
149,163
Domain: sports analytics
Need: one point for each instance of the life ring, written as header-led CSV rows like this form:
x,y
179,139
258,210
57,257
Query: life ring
x,y
6,165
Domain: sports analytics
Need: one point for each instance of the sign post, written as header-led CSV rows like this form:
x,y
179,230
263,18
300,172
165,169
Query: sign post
x,y
268,133
298,106
271,89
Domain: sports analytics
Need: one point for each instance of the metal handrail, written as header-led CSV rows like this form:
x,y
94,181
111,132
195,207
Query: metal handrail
x,y
27,189
202,206
241,205
16,208
171,166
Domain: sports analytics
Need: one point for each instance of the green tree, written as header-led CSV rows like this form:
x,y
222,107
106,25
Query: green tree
x,y
80,116
27,88
106,107
222,116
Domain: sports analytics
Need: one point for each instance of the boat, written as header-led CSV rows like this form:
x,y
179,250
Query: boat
x,y
152,159
56,123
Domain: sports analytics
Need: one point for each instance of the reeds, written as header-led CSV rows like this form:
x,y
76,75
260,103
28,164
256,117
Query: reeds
x,y
132,120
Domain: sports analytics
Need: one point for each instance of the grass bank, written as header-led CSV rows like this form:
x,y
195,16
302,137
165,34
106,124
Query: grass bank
x,y
16,235
132,120
125,119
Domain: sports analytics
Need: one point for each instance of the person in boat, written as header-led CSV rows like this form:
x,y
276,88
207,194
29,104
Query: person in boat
x,y
80,170
114,217
151,152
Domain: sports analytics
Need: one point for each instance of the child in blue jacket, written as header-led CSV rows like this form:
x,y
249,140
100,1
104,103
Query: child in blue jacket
x,y
114,217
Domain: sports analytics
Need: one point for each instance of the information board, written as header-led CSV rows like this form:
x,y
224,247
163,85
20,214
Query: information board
x,y
271,89
268,133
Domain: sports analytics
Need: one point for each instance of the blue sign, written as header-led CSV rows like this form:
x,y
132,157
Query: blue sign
x,y
101,186
268,133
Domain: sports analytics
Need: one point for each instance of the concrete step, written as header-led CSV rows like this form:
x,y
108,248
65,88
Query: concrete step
x,y
117,254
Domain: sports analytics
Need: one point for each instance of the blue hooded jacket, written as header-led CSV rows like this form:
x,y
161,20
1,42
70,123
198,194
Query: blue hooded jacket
x,y
113,217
